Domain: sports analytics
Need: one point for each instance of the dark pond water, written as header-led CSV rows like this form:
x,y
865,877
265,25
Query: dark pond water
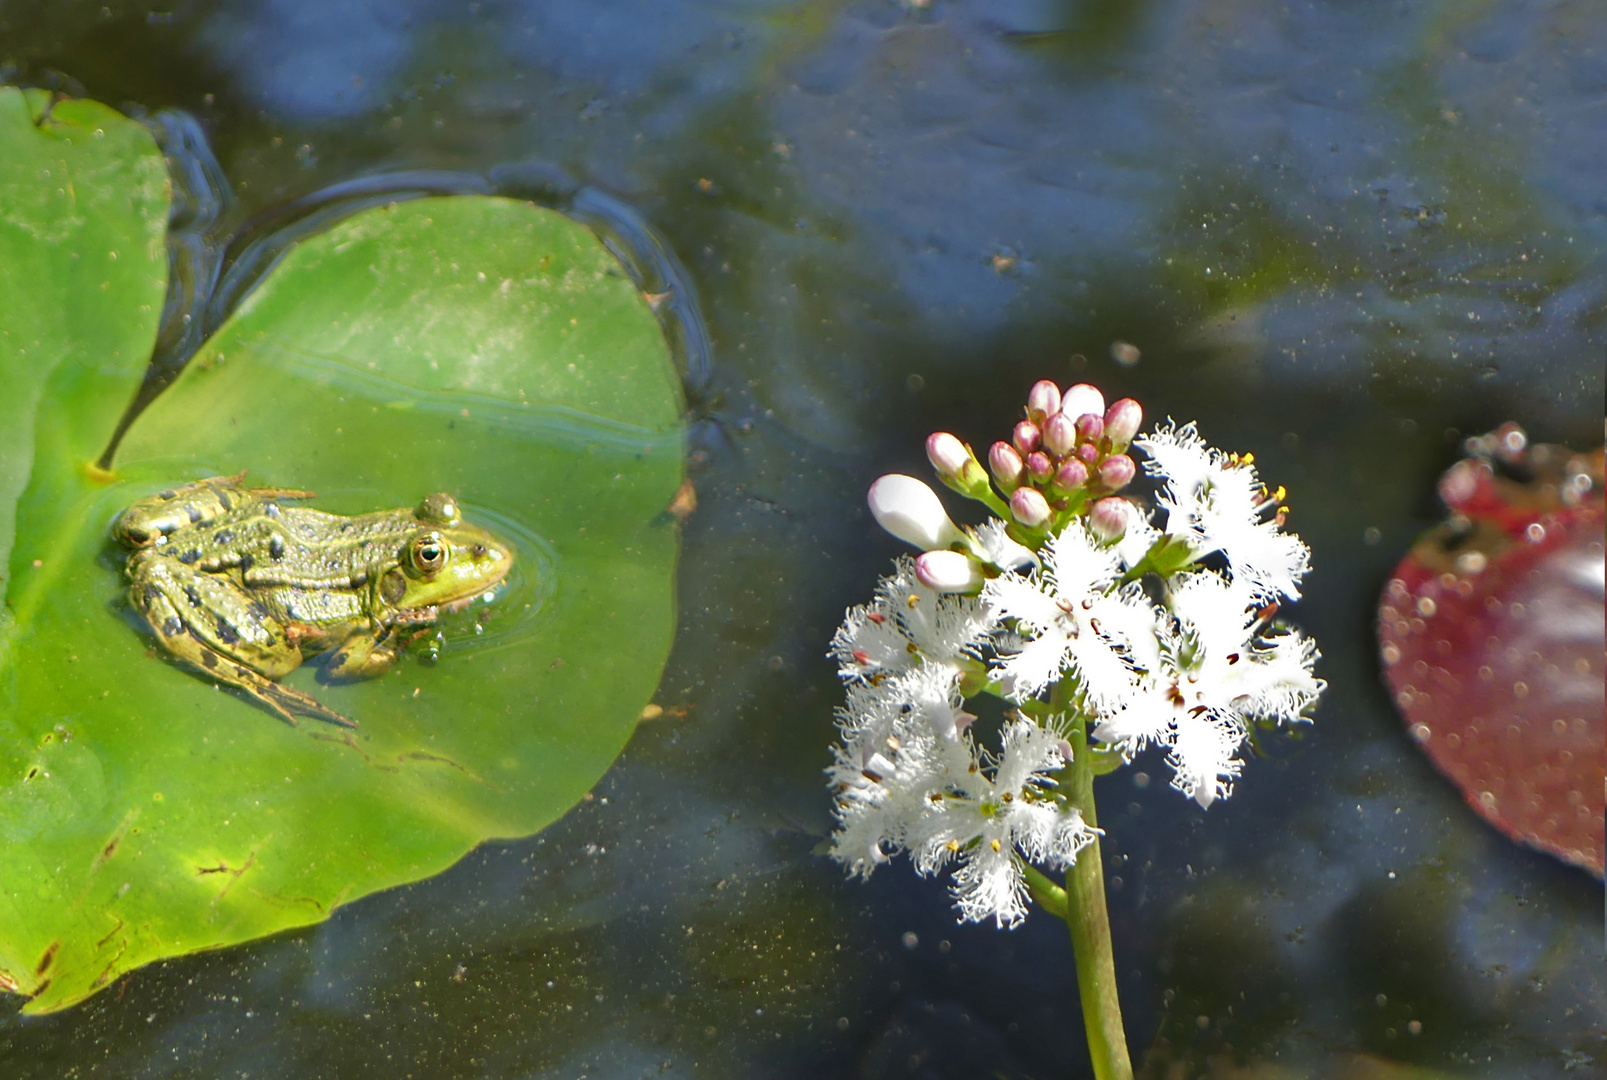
x,y
1341,236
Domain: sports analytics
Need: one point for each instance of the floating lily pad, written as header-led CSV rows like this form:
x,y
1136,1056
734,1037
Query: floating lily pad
x,y
1491,635
83,273
479,346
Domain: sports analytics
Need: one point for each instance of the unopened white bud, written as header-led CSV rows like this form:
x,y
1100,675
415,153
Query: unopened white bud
x,y
947,453
949,572
912,512
1081,400
956,466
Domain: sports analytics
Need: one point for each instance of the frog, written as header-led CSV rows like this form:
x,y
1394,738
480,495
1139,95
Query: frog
x,y
245,586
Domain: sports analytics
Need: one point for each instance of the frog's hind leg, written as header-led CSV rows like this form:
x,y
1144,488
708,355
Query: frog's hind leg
x,y
191,630
146,521
284,701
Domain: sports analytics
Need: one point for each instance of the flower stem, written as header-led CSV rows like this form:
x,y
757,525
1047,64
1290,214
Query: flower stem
x,y
1089,922
994,503
1050,897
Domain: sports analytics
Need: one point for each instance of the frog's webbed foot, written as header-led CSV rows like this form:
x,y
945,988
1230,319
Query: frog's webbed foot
x,y
284,701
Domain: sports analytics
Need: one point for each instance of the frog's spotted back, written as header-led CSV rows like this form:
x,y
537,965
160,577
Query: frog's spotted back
x,y
149,519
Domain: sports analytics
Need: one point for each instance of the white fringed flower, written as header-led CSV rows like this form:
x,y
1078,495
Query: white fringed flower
x,y
940,801
1070,620
993,545
1137,540
886,782
1204,677
1217,503
904,654
908,625
991,823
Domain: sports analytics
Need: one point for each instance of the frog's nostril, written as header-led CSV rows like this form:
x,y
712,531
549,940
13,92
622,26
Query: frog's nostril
x,y
478,551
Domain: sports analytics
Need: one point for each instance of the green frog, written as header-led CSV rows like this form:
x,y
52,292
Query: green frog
x,y
244,587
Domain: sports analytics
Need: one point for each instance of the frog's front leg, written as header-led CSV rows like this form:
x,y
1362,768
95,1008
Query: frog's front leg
x,y
213,624
365,655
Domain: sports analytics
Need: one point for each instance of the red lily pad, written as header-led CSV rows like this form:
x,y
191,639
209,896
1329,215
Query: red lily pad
x,y
1492,638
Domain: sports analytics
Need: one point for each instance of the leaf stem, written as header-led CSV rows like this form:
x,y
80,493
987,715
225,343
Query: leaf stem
x,y
1089,922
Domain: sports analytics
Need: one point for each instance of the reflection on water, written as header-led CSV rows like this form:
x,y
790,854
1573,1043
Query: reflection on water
x,y
316,61
1342,236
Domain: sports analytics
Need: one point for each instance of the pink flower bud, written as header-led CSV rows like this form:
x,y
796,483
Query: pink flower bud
x,y
1088,454
1039,467
1007,466
1029,507
1072,475
912,512
947,453
1043,401
1025,436
1083,398
1116,471
949,572
1122,423
1108,519
1090,428
1059,434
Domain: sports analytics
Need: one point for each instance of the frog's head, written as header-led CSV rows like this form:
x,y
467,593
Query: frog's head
x,y
445,563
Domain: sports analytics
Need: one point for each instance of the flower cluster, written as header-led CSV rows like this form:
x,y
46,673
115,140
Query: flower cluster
x,y
1080,612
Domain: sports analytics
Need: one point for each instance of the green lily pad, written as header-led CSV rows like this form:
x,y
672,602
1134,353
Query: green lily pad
x,y
83,273
479,346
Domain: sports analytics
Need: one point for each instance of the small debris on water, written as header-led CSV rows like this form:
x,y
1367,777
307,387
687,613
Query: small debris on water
x,y
1124,353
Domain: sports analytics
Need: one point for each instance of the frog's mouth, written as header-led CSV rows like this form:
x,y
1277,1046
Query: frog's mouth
x,y
456,606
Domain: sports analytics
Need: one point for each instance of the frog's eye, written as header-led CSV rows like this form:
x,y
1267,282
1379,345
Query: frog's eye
x,y
427,553
439,508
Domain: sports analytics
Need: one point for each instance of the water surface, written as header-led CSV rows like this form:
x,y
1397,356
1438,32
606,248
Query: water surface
x,y
1340,236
